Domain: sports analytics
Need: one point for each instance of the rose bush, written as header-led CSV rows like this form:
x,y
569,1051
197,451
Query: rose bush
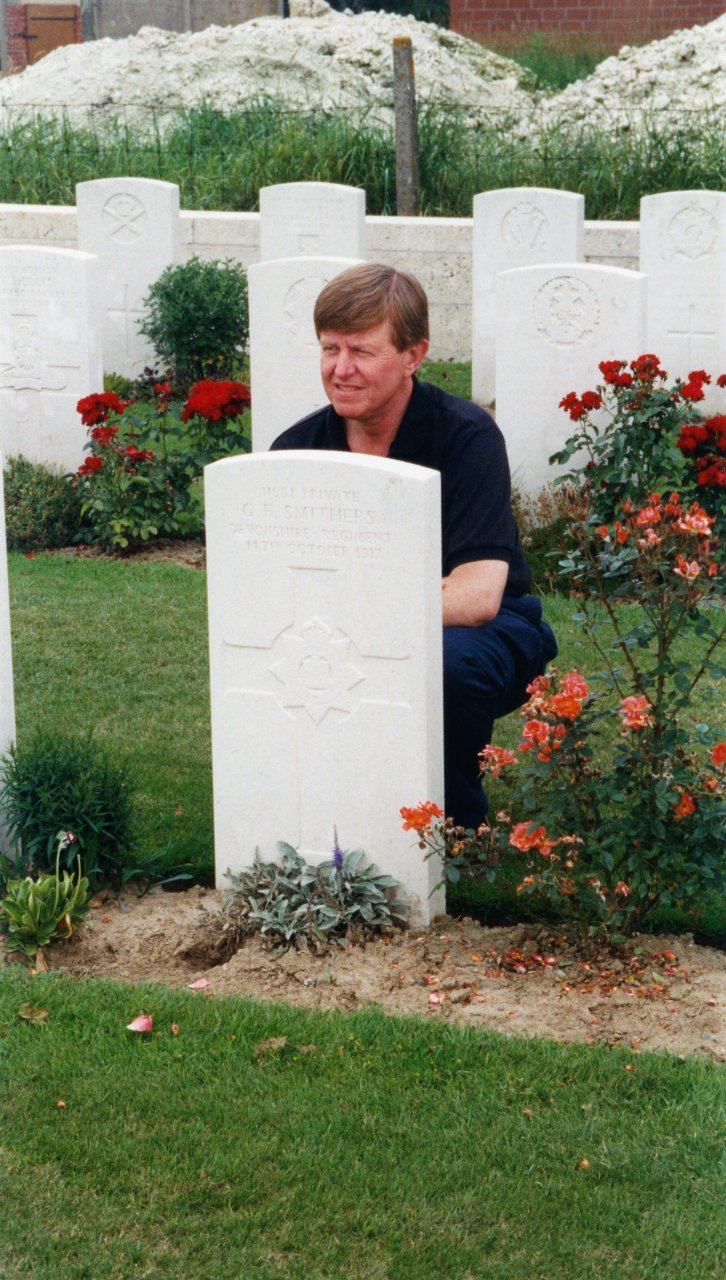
x,y
611,826
637,433
131,492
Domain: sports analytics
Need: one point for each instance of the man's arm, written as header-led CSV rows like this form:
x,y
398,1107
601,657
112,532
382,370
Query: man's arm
x,y
472,593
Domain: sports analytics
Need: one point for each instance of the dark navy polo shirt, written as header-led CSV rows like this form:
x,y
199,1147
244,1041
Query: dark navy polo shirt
x,y
463,442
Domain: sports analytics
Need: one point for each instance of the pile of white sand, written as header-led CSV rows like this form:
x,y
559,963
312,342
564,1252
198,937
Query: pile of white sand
x,y
331,59
322,58
662,83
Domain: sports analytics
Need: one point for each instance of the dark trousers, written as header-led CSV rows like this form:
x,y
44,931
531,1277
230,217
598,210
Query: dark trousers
x,y
486,673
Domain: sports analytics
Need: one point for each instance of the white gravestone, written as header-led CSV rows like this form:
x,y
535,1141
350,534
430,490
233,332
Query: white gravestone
x,y
554,326
311,220
515,227
324,581
285,378
50,352
133,225
683,253
7,700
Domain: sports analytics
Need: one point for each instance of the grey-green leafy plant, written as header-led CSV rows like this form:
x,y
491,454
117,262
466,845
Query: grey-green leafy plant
x,y
293,901
36,913
196,318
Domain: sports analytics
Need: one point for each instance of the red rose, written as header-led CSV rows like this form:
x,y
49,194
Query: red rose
x,y
647,368
103,435
690,438
96,408
90,465
216,400
610,369
692,390
572,404
591,400
716,428
711,471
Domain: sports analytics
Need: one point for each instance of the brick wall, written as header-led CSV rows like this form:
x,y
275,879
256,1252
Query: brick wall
x,y
615,22
16,31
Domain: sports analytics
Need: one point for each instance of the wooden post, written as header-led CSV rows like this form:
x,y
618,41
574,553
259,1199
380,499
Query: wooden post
x,y
408,192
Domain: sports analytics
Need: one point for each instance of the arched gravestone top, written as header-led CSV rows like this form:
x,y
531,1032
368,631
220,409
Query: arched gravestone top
x,y
324,578
311,219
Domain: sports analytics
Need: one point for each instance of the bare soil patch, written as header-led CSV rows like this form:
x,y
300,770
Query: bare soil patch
x,y
660,993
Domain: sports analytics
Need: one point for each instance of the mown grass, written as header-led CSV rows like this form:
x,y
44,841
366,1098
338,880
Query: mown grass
x,y
393,1151
220,161
122,646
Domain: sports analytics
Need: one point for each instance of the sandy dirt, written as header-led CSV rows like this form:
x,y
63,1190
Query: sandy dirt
x,y
658,994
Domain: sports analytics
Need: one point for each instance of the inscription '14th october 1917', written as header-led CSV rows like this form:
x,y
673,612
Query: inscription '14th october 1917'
x,y
306,522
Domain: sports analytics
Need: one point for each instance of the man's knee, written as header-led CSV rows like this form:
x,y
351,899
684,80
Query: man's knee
x,y
475,664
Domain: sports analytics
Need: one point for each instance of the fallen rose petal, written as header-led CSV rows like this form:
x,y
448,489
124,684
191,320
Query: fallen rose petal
x,y
142,1023
105,920
174,1029
435,998
199,985
712,1002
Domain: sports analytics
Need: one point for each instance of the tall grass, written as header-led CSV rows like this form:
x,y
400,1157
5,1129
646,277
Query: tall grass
x,y
556,59
220,161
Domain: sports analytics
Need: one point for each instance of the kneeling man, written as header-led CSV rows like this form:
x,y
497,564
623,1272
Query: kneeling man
x,y
372,324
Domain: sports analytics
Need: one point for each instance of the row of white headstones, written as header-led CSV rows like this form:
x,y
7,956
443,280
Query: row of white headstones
x,y
542,319
324,569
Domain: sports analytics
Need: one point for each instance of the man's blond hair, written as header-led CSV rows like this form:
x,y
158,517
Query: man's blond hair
x,y
364,296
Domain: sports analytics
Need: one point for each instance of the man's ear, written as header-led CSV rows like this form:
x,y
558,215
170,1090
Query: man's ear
x,y
416,354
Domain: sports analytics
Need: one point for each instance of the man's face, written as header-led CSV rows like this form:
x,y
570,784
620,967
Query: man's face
x,y
365,377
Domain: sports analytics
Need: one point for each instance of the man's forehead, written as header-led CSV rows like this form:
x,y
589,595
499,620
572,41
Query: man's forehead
x,y
378,335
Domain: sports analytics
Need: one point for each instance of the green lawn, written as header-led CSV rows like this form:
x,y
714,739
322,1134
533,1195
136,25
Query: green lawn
x,y
395,1151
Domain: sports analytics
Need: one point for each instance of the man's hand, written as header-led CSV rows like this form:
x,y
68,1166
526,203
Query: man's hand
x,y
473,592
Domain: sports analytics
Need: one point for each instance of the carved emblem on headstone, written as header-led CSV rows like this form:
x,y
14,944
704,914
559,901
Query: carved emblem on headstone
x,y
298,307
566,311
124,219
525,227
316,670
693,232
27,371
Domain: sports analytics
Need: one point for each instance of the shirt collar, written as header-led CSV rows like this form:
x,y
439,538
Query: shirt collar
x,y
410,440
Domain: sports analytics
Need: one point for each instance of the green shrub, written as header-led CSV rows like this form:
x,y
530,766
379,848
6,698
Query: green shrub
x,y
196,318
61,781
42,508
